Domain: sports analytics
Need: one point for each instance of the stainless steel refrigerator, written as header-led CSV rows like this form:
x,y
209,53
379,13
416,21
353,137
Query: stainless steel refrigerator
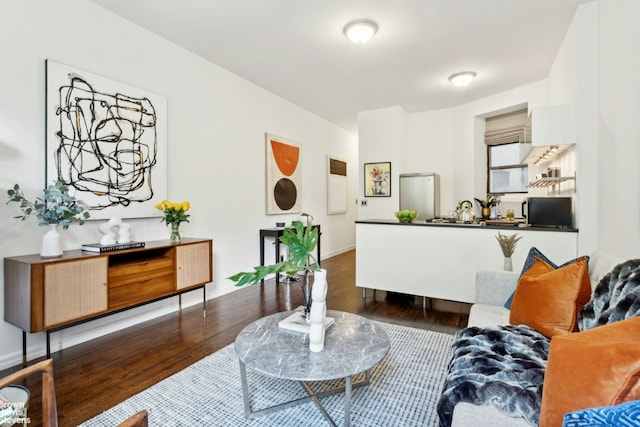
x,y
420,192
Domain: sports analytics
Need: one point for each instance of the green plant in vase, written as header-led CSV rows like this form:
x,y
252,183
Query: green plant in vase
x,y
174,214
301,239
56,208
489,202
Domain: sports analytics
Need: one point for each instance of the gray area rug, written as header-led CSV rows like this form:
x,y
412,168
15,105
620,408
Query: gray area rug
x,y
404,391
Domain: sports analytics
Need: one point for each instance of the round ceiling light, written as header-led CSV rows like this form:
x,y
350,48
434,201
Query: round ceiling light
x,y
462,79
360,31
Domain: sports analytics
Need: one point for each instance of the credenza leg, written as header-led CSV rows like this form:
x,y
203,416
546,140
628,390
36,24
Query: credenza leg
x,y
24,349
204,302
48,344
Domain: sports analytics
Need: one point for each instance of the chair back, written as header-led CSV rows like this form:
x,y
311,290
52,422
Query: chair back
x,y
137,420
49,408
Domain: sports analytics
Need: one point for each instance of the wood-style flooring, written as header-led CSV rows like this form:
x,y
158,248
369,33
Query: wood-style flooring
x,y
93,376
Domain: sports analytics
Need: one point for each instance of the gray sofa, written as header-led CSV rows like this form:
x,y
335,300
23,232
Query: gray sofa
x,y
493,288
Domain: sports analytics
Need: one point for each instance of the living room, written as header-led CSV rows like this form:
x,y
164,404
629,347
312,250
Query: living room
x,y
230,116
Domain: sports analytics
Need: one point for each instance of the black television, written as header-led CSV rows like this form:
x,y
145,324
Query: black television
x,y
549,211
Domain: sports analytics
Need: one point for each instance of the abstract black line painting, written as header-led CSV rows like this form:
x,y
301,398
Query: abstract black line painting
x,y
107,141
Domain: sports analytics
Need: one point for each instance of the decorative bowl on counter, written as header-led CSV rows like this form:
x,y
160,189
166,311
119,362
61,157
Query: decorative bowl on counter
x,y
406,216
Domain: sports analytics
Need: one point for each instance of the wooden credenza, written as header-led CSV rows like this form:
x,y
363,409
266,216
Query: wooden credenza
x,y
48,294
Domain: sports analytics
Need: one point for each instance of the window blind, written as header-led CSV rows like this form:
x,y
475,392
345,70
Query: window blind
x,y
505,128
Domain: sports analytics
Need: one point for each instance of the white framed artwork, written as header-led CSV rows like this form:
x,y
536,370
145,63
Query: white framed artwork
x,y
107,141
337,189
283,176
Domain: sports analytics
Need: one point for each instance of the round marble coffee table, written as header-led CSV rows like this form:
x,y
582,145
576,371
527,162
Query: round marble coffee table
x,y
352,345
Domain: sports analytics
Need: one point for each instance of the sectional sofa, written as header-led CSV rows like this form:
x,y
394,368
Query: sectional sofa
x,y
544,344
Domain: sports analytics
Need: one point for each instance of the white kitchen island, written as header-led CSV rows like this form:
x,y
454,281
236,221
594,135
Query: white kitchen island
x,y
441,260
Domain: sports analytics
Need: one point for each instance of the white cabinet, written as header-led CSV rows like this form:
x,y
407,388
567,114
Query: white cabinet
x,y
549,131
441,261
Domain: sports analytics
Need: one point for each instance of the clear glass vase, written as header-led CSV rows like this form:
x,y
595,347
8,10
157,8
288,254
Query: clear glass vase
x,y
175,237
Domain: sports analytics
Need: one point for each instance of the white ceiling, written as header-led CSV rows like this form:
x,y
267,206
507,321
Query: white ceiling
x,y
296,48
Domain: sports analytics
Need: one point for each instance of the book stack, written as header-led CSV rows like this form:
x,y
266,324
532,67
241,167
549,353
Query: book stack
x,y
97,247
297,322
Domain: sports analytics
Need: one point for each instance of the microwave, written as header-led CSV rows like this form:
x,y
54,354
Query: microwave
x,y
548,211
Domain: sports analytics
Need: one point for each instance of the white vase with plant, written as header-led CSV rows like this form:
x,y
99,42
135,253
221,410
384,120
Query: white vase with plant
x,y
508,247
489,202
56,208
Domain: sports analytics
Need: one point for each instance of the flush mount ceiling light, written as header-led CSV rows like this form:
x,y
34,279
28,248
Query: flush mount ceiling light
x,y
462,79
360,31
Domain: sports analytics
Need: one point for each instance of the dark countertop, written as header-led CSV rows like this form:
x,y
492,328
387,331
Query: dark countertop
x,y
480,225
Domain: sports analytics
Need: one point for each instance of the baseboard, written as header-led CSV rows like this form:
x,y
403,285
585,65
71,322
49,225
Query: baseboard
x,y
338,252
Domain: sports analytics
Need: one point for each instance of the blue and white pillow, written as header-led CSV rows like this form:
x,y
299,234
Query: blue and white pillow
x,y
623,415
528,263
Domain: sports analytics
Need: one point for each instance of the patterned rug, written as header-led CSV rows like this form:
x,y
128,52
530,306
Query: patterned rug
x,y
404,391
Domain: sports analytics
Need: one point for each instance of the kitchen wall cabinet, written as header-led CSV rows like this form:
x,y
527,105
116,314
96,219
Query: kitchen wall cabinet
x,y
549,131
48,294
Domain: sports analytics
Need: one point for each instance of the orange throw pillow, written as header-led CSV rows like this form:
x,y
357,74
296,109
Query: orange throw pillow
x,y
549,299
597,367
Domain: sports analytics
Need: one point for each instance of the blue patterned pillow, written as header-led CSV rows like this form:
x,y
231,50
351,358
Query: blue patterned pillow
x,y
531,259
624,414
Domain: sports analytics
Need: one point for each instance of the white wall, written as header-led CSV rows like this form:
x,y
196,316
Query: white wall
x,y
618,135
430,143
599,49
382,137
573,79
216,147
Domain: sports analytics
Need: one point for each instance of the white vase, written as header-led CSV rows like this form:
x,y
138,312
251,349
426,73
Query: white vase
x,y
51,242
508,265
318,311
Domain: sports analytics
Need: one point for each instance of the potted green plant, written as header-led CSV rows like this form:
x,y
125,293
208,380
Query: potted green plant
x,y
489,202
301,239
56,208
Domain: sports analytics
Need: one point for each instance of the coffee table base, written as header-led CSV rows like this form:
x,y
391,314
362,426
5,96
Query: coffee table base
x,y
349,386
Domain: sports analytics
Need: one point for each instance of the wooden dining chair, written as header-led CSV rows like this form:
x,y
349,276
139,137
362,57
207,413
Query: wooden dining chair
x,y
49,408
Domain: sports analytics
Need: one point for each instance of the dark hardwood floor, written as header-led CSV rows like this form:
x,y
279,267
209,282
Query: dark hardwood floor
x,y
93,376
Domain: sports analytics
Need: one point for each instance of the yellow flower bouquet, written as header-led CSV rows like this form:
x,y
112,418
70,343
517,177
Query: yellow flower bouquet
x,y
174,214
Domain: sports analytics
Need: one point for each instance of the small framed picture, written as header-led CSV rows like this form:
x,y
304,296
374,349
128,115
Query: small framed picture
x,y
377,179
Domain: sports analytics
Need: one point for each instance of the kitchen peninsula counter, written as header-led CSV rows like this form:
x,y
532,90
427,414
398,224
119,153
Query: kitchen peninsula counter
x,y
440,260
480,225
